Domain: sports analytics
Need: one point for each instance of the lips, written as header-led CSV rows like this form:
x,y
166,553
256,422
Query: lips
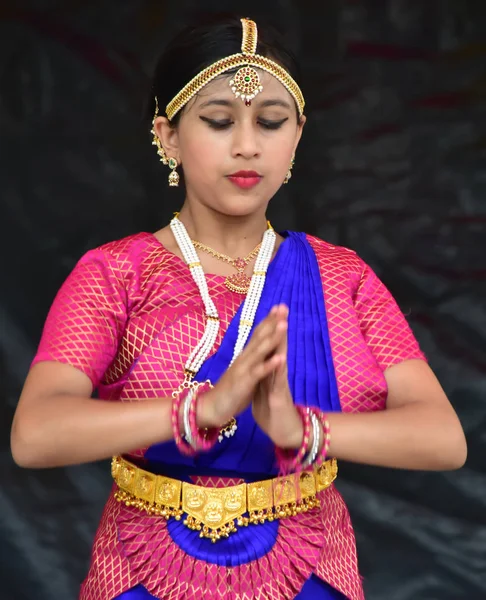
x,y
245,179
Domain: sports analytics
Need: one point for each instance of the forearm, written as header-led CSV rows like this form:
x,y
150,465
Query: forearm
x,y
70,430
414,436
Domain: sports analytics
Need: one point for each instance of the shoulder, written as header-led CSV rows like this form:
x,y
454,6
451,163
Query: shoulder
x,y
134,252
124,248
336,258
130,261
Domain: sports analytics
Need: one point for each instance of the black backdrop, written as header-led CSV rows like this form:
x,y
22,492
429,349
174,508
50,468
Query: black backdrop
x,y
391,164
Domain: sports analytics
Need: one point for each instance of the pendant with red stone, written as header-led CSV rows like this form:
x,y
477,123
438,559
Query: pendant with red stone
x,y
239,264
239,283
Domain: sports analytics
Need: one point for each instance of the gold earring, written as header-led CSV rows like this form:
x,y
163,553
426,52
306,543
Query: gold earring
x,y
174,175
172,162
289,172
155,140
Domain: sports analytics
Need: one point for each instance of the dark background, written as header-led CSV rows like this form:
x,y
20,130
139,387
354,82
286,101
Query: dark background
x,y
392,164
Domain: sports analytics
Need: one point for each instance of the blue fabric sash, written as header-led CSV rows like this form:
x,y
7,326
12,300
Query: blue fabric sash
x,y
293,279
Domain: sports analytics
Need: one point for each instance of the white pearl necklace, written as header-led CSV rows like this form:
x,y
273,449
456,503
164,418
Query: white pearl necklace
x,y
250,306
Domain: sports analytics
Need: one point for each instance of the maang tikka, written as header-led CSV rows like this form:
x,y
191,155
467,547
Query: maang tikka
x,y
245,85
171,162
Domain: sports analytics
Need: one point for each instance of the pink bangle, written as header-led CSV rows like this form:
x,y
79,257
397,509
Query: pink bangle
x,y
286,462
207,439
183,446
326,428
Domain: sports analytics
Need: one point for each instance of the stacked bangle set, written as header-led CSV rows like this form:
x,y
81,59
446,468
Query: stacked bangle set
x,y
194,439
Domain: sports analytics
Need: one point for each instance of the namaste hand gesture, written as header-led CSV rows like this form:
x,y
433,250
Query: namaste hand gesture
x,y
264,355
258,374
273,406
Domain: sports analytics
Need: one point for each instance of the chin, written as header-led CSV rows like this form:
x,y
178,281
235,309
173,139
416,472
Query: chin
x,y
243,212
241,207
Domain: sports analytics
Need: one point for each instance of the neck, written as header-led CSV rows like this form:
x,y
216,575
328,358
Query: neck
x,y
235,236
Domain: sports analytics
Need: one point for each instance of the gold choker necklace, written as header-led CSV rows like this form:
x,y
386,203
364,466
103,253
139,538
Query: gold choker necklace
x,y
240,281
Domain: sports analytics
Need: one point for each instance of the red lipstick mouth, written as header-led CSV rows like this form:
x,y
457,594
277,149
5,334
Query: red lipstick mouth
x,y
245,174
245,179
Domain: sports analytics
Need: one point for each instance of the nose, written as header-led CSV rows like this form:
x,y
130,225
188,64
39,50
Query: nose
x,y
245,140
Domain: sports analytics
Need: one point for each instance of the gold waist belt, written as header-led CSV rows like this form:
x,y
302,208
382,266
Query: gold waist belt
x,y
215,512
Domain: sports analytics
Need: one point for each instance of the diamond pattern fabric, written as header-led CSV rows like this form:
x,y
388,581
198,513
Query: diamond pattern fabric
x,y
367,329
128,316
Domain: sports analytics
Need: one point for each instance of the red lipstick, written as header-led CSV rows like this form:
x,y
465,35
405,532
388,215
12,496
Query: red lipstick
x,y
245,179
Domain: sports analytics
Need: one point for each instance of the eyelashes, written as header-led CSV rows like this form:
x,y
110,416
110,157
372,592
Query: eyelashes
x,y
226,124
272,124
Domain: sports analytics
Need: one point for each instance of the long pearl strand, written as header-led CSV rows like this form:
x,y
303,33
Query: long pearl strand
x,y
250,306
203,348
254,292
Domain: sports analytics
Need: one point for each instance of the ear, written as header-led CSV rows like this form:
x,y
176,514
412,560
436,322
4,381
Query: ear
x,y
300,129
168,136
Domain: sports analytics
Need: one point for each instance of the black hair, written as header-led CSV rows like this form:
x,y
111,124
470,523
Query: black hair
x,y
200,45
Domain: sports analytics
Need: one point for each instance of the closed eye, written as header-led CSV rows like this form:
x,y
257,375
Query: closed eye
x,y
217,124
226,123
272,124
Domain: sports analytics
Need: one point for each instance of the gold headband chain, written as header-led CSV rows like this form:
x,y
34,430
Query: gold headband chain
x,y
246,82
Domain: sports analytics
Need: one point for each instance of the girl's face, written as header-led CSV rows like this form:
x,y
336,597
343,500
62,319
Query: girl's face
x,y
218,137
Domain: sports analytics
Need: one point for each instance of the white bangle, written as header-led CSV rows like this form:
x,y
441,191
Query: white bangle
x,y
312,455
186,423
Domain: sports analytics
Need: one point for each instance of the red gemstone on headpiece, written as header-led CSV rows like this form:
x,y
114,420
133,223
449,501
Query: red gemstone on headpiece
x,y
247,102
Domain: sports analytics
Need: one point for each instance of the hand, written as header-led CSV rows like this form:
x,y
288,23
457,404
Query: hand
x,y
273,406
235,390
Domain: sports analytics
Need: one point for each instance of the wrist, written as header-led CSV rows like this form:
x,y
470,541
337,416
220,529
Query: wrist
x,y
205,413
296,437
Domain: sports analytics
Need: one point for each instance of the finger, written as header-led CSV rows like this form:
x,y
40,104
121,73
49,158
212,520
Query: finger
x,y
281,382
281,311
260,347
282,328
277,324
282,348
266,325
264,369
278,313
267,346
264,341
281,374
264,330
266,384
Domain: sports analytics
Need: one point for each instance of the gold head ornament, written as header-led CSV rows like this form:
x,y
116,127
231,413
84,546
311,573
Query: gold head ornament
x,y
245,85
246,82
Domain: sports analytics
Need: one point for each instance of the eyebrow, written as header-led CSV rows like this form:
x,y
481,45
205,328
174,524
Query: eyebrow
x,y
275,102
264,104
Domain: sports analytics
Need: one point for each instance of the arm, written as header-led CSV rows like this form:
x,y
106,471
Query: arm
x,y
57,423
418,430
